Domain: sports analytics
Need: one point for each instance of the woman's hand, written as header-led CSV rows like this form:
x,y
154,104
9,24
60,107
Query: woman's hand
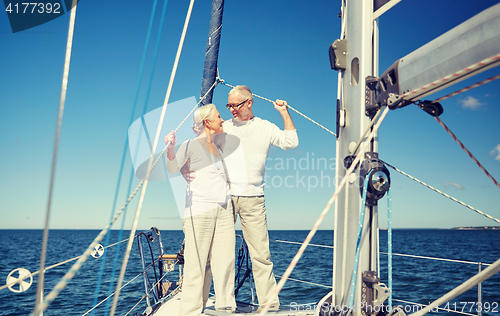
x,y
170,139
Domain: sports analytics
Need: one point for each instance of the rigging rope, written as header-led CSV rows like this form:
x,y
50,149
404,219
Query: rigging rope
x,y
69,275
147,294
468,70
442,193
150,163
72,271
292,265
291,108
467,151
490,79
299,243
124,153
62,101
389,244
358,241
140,274
312,283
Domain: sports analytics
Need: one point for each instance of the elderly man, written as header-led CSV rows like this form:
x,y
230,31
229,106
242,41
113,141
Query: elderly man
x,y
255,137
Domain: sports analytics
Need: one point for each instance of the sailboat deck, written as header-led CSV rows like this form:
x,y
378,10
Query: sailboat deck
x,y
252,310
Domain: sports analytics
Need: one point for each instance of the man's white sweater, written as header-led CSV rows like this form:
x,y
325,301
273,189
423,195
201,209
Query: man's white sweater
x,y
255,137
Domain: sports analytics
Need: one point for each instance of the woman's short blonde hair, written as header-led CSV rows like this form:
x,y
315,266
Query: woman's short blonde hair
x,y
205,112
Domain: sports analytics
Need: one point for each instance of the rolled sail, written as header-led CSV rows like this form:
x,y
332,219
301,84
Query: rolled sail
x,y
212,51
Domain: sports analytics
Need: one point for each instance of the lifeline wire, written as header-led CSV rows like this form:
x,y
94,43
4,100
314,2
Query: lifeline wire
x,y
62,101
293,263
291,108
112,294
483,275
150,163
442,193
467,151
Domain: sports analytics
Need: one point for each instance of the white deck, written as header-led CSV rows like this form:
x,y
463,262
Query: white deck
x,y
172,306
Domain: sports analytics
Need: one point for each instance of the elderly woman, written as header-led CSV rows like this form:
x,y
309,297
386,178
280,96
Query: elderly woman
x,y
208,216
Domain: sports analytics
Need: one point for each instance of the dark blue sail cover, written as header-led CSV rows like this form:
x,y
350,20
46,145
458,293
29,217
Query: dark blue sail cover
x,y
212,52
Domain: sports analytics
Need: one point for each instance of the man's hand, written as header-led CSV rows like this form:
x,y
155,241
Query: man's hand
x,y
187,173
281,106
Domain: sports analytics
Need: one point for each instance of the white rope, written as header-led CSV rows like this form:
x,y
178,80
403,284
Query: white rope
x,y
150,163
442,193
434,258
478,278
293,263
62,101
289,106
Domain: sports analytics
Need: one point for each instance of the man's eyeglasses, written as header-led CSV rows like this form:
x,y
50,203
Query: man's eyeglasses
x,y
229,106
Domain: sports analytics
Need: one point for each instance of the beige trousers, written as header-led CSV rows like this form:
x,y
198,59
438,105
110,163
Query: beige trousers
x,y
210,238
252,211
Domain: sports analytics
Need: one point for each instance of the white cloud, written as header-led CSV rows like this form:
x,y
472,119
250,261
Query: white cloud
x,y
470,103
496,151
456,185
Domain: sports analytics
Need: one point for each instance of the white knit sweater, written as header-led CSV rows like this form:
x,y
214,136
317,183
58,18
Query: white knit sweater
x,y
256,136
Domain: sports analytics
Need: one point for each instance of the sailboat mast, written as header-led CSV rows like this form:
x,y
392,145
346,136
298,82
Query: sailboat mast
x,y
355,55
212,51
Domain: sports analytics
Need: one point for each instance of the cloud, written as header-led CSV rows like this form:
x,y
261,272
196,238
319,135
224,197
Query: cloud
x,y
496,151
456,185
470,103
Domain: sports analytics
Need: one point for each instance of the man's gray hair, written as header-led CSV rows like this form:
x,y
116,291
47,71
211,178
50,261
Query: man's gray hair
x,y
243,91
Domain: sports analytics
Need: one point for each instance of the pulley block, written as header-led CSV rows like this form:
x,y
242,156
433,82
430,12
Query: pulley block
x,y
379,179
432,108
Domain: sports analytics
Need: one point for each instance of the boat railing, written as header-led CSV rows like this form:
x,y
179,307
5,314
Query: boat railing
x,y
417,305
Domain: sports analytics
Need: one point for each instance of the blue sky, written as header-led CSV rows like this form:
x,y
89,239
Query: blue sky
x,y
280,50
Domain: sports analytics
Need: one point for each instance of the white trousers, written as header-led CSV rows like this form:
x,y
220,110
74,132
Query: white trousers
x,y
252,211
210,239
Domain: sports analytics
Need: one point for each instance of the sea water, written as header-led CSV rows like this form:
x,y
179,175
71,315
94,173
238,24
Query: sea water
x,y
415,280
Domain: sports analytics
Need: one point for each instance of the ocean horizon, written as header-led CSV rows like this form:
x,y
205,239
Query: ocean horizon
x,y
417,280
